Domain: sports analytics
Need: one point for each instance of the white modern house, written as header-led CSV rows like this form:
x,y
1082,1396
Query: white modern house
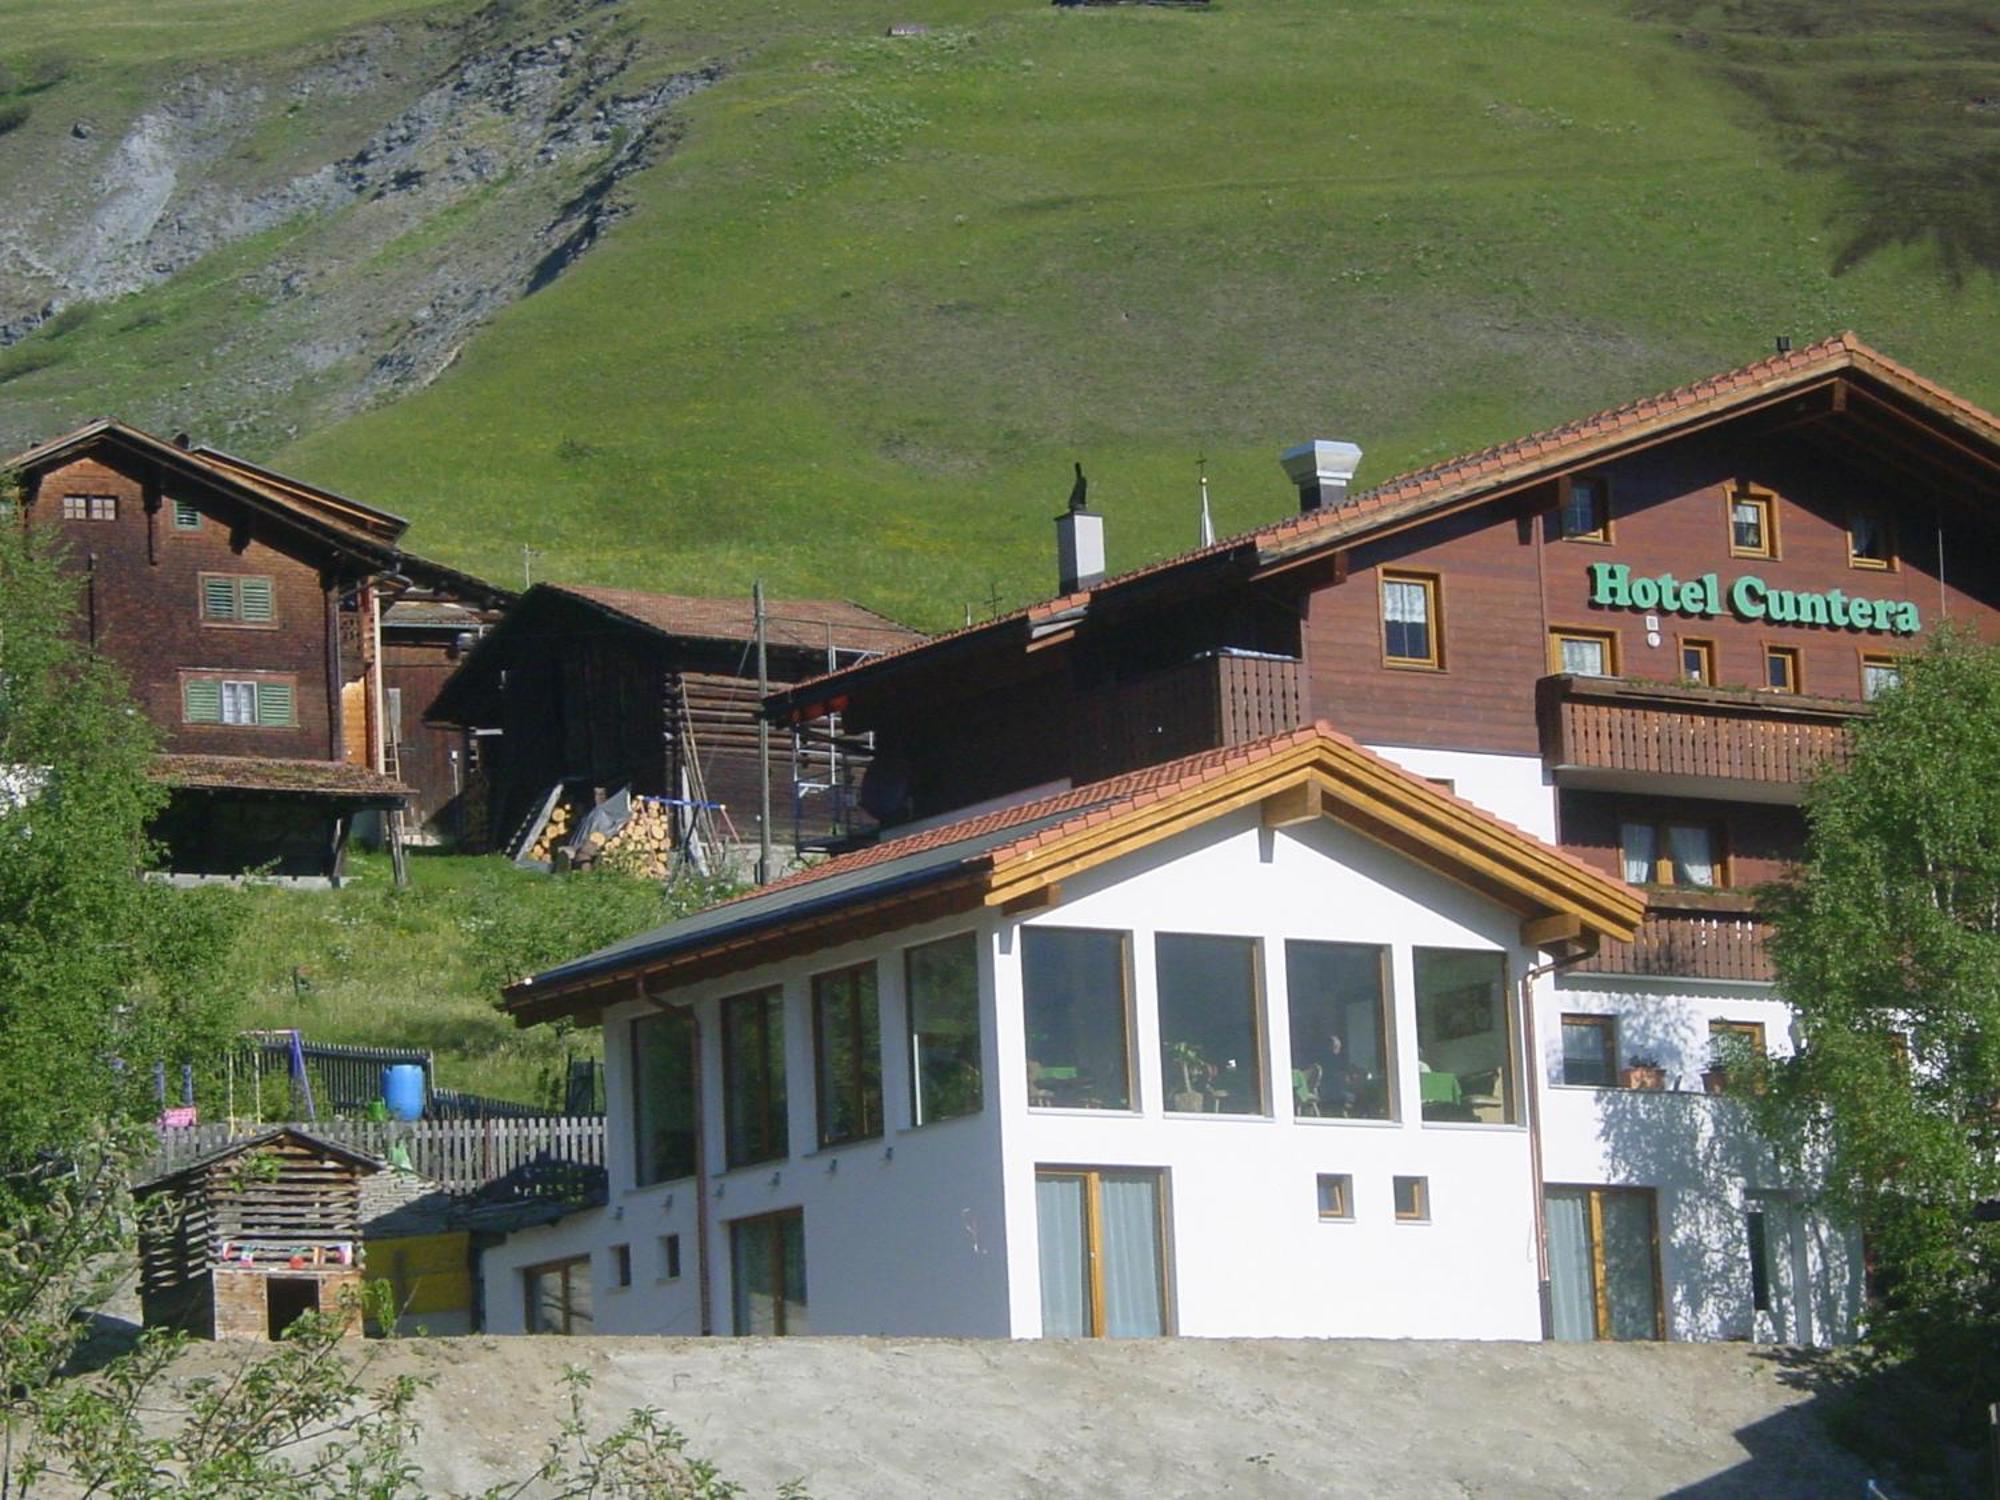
x,y
1264,1042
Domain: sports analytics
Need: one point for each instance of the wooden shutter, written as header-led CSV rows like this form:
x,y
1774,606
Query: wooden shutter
x,y
274,704
186,517
201,700
254,600
218,598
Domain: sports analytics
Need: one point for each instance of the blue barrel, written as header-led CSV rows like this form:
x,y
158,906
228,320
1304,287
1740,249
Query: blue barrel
x,y
403,1090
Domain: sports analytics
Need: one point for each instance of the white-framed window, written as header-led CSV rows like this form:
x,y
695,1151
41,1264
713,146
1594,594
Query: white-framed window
x,y
264,702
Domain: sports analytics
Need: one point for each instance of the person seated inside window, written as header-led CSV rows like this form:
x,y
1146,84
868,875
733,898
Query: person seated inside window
x,y
1340,1087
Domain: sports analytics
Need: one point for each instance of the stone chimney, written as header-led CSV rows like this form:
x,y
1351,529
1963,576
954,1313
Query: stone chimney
x,y
1321,470
1079,541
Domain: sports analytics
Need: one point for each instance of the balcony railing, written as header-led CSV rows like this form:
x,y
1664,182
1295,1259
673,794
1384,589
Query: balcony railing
x,y
1715,937
1604,731
1212,700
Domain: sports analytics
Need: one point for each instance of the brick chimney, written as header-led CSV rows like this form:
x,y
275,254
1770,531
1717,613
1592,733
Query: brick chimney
x,y
1321,470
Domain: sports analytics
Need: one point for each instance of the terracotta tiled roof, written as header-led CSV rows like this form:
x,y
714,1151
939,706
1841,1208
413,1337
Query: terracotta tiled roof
x,y
1016,847
788,622
1547,452
244,773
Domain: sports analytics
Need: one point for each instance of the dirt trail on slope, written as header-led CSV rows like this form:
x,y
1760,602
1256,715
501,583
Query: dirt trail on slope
x,y
883,1419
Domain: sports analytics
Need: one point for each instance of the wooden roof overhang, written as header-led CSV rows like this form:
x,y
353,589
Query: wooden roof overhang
x,y
1311,773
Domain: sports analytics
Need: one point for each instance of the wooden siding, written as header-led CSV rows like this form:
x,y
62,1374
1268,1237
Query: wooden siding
x,y
1506,580
1608,725
140,578
1203,704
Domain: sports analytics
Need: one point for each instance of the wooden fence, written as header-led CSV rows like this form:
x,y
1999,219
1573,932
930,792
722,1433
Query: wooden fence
x,y
461,1156
1690,945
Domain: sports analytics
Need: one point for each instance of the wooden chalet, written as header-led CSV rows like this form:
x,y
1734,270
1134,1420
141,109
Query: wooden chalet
x,y
245,609
580,693
1670,610
238,1243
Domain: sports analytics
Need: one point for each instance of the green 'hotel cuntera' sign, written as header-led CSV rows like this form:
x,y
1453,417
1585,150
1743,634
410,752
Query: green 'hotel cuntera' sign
x,y
1749,598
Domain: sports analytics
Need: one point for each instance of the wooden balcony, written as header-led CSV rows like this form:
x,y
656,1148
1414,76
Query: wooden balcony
x,y
1209,701
1693,935
1668,740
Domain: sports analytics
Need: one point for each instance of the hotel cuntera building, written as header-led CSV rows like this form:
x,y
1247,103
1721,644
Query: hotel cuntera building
x,y
1343,929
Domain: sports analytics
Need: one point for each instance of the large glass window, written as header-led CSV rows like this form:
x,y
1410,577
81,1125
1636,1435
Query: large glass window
x,y
753,1077
847,1052
1074,996
1465,1065
1664,853
1102,1252
663,1122
1604,1263
941,988
1210,1054
1340,1029
767,1264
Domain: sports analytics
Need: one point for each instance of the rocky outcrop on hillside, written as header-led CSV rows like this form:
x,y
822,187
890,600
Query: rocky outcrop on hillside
x,y
353,215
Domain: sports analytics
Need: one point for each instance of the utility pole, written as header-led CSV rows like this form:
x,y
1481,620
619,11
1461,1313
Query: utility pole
x,y
763,741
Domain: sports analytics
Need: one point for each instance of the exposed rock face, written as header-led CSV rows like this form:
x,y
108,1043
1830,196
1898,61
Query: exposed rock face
x,y
407,183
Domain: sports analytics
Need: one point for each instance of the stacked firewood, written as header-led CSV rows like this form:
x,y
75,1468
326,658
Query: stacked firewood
x,y
555,833
642,845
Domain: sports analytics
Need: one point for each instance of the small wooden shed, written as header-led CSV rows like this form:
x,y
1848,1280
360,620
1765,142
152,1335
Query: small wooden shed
x,y
238,1243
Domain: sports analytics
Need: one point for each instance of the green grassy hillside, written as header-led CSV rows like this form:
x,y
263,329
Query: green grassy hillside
x,y
881,292
859,325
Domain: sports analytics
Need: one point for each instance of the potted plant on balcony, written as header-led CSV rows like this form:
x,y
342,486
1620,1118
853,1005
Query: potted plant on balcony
x,y
1730,1054
1189,1099
1642,1071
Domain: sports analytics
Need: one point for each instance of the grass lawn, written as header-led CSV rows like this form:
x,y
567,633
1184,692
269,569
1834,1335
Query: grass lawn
x,y
422,967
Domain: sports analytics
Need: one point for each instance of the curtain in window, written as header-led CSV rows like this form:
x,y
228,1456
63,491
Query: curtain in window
x,y
1406,617
1694,855
1877,680
1569,1265
1638,840
1129,1214
1583,658
1628,1264
1059,1215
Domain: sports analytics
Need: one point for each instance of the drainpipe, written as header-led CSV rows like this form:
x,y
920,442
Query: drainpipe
x,y
1544,1295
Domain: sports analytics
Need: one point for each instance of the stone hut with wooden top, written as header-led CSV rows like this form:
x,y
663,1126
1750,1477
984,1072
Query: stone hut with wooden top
x,y
239,1243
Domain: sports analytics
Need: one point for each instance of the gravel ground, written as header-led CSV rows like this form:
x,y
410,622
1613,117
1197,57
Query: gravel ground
x,y
890,1418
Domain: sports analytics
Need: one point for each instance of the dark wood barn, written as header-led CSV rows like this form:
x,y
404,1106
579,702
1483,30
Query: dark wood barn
x,y
238,1243
426,632
591,691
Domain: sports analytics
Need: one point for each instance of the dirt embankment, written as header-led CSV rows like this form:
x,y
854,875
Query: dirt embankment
x,y
883,1419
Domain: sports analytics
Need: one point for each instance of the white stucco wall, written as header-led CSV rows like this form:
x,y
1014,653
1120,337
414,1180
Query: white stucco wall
x,y
933,1230
1698,1152
1250,1255
1513,788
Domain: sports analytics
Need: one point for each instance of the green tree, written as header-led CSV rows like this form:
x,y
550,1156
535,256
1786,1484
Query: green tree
x,y
1887,945
102,974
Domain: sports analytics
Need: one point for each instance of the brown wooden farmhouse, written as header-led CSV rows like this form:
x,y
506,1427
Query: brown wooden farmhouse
x,y
1662,615
247,610
588,690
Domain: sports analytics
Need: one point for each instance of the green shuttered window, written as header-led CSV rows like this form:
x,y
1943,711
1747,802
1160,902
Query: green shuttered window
x,y
274,704
263,703
234,599
186,517
201,700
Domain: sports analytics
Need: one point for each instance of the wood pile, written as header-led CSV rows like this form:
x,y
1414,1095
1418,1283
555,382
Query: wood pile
x,y
555,833
643,845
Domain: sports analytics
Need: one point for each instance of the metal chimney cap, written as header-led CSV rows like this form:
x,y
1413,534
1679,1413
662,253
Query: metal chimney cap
x,y
1321,461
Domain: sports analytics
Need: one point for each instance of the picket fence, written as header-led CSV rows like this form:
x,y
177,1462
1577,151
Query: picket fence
x,y
461,1156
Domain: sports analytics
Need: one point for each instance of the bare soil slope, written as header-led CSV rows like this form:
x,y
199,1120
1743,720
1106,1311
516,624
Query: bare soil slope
x,y
884,1419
